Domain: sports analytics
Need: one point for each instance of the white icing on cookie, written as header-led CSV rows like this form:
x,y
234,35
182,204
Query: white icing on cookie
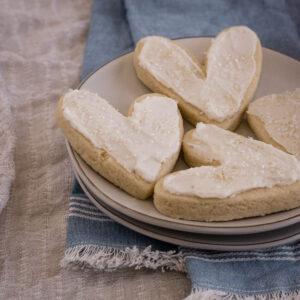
x,y
244,164
230,70
141,142
280,114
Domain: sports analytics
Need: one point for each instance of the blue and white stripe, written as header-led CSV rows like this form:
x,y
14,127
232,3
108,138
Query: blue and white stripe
x,y
280,253
83,208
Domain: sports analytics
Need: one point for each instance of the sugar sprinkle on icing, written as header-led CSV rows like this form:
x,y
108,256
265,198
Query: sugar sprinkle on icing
x,y
140,142
231,67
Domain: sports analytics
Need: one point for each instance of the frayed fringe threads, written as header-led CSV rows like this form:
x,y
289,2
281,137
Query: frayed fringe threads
x,y
203,294
105,258
108,259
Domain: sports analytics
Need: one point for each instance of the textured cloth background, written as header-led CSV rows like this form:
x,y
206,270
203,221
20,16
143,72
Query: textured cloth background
x,y
42,44
7,143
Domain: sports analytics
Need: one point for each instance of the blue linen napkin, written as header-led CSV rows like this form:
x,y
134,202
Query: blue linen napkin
x,y
94,241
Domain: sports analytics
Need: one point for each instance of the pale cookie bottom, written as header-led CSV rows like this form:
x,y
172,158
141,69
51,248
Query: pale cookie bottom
x,y
251,203
106,165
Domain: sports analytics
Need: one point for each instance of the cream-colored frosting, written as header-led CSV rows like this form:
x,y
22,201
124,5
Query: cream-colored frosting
x,y
231,67
280,114
140,142
244,164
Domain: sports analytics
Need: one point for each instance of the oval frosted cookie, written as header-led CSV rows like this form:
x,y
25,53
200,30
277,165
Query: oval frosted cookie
x,y
275,119
235,177
216,92
131,152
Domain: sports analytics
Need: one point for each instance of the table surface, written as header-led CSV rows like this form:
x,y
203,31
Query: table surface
x,y
41,59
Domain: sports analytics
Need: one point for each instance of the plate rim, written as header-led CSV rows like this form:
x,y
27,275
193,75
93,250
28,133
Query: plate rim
x,y
173,39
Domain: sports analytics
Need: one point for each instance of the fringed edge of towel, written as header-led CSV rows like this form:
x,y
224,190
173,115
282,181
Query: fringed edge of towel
x,y
204,294
108,259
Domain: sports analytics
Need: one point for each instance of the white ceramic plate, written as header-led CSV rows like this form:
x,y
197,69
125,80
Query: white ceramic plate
x,y
117,82
202,241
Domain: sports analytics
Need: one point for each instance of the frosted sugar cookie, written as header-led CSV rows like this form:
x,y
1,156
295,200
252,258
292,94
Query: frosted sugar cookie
x,y
275,119
236,177
216,92
131,152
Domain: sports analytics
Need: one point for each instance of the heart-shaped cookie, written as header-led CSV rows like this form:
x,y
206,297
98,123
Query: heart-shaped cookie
x,y
238,177
132,152
216,92
275,119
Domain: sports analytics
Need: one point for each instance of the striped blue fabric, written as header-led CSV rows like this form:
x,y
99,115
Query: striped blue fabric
x,y
94,241
246,273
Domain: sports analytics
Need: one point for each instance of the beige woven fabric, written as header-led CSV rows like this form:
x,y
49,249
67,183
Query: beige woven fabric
x,y
42,44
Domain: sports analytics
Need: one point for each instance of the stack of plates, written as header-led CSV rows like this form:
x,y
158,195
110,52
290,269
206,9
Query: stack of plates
x,y
117,82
